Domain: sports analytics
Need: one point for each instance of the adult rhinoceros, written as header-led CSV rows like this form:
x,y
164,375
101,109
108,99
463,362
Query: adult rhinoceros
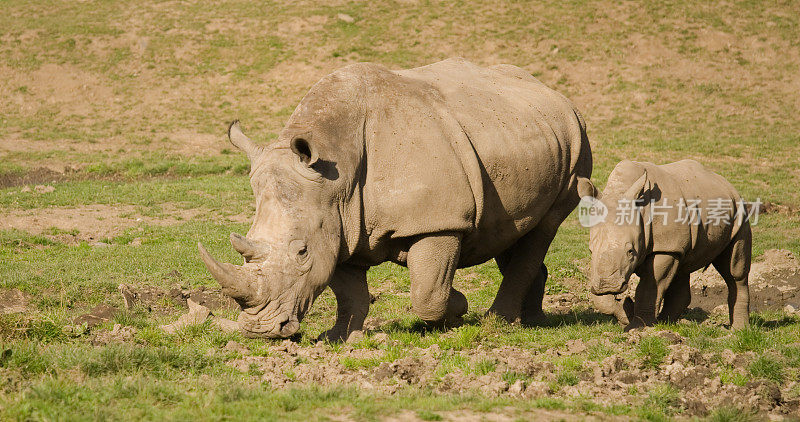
x,y
437,167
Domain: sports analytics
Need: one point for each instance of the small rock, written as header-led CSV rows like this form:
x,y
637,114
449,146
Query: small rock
x,y
355,336
287,346
380,338
720,310
118,334
236,347
372,324
98,315
517,388
128,296
43,188
25,189
137,241
345,18
383,371
197,315
670,337
575,346
537,389
226,325
790,309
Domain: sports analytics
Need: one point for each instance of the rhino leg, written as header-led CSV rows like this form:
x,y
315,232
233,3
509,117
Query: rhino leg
x,y
676,299
656,274
349,285
524,274
432,262
733,264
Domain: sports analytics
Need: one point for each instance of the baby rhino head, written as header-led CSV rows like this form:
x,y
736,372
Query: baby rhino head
x,y
617,245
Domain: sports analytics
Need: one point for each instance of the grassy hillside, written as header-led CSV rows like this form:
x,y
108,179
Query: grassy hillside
x,y
114,163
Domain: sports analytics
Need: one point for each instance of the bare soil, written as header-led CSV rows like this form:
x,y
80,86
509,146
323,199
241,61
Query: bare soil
x,y
609,382
94,223
774,284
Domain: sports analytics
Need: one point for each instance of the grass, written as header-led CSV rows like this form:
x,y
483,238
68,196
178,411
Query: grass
x,y
133,97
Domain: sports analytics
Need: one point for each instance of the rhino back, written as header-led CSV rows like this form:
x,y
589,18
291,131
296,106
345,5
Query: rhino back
x,y
687,181
717,227
529,142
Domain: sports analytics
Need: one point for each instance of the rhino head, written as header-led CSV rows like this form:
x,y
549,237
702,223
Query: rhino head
x,y
617,247
291,249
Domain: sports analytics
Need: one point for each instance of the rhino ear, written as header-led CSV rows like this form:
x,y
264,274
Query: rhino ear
x,y
587,188
301,145
638,188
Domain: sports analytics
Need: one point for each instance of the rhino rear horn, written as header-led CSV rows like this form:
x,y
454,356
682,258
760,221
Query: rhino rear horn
x,y
236,281
243,245
241,141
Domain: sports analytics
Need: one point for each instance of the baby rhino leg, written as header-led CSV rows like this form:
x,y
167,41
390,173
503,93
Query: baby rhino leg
x,y
676,299
733,264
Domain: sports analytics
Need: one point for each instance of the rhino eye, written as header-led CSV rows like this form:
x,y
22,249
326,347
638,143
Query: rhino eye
x,y
300,249
631,253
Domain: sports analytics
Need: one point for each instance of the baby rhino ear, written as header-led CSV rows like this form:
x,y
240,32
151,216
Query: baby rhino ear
x,y
586,188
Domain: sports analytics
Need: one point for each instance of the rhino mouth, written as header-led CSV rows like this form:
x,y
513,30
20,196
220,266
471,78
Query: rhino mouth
x,y
273,320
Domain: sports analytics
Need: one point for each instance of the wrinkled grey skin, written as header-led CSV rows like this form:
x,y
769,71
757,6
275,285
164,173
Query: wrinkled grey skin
x,y
664,251
436,168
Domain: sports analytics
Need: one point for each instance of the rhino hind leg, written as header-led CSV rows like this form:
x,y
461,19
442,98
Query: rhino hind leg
x,y
733,264
524,276
676,299
349,285
532,312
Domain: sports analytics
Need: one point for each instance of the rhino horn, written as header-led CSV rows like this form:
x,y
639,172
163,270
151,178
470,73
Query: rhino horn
x,y
243,245
236,281
241,141
637,188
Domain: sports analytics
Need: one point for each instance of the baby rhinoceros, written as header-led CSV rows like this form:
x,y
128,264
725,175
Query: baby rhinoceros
x,y
662,223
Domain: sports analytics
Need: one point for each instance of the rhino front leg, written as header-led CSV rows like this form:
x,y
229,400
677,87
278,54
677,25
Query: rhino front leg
x,y
349,285
656,274
432,262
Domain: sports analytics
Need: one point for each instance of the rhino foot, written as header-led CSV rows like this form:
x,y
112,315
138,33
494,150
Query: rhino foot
x,y
534,319
636,322
334,335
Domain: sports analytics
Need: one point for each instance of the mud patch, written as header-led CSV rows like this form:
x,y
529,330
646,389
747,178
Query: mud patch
x,y
94,223
32,177
14,301
774,284
159,300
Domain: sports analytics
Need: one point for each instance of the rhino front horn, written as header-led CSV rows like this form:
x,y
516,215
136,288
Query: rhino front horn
x,y
241,141
236,281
